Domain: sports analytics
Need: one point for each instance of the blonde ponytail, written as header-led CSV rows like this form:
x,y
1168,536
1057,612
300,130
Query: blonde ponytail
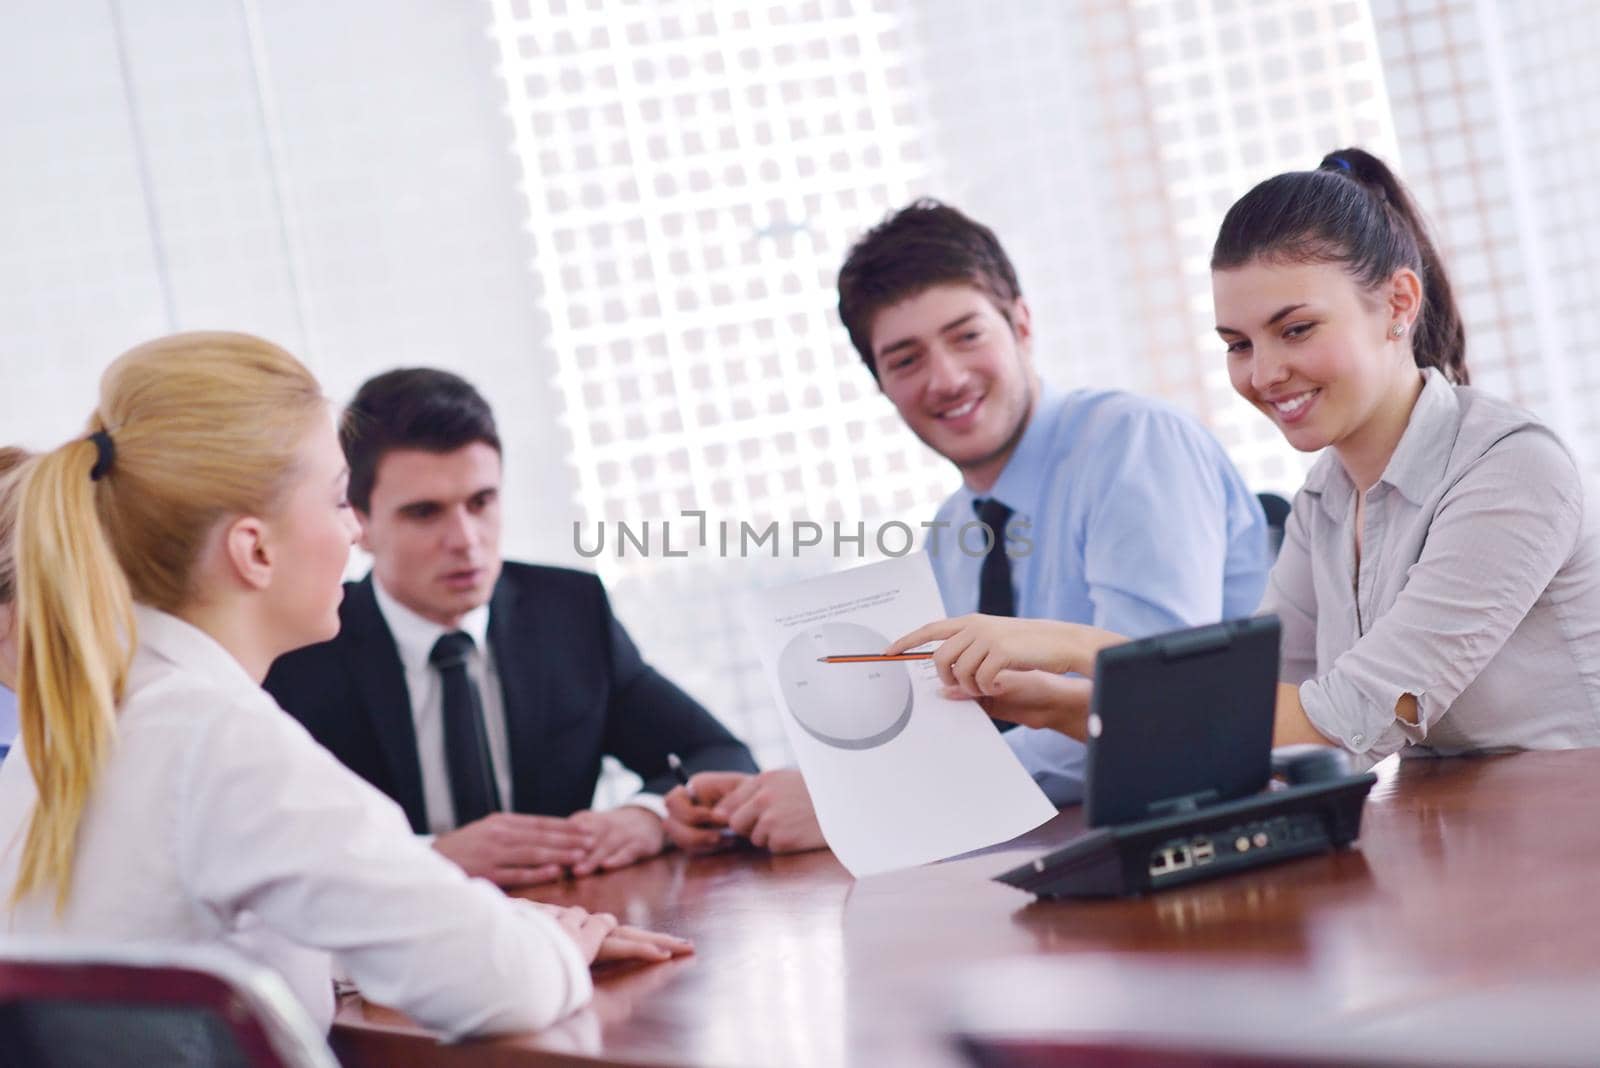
x,y
190,429
75,635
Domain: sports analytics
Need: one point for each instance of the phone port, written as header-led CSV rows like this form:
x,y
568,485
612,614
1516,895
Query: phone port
x,y
1182,858
1204,852
1161,862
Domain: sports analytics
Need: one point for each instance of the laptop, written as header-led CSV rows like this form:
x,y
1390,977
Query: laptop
x,y
1179,760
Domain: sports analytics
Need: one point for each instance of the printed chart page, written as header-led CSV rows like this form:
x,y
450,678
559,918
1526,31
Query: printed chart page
x,y
899,775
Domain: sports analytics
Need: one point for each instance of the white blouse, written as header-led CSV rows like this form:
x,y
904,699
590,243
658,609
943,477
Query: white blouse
x,y
219,822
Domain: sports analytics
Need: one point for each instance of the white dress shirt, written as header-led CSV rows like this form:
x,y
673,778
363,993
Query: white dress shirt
x,y
218,821
414,638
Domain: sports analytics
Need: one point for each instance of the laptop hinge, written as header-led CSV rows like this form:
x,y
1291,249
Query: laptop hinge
x,y
1169,806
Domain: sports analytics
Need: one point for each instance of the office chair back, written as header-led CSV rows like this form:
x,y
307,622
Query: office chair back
x,y
1277,512
77,1007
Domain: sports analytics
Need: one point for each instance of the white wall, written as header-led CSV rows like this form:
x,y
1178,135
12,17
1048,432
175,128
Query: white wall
x,y
337,178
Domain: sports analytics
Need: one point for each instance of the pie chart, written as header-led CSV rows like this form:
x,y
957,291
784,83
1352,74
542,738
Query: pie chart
x,y
848,706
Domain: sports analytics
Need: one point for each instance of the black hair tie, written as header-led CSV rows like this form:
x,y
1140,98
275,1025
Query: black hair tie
x,y
107,453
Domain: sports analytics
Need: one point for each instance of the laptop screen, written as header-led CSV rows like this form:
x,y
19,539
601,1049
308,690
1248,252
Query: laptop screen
x,y
1181,720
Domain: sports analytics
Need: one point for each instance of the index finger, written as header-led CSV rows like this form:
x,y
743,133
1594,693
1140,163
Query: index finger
x,y
743,821
737,799
936,631
552,831
694,815
657,938
709,787
680,806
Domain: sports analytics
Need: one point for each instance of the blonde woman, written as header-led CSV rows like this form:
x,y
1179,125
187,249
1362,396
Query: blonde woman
x,y
164,560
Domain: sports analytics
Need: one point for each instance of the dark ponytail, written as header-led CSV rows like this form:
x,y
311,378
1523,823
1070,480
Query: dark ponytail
x,y
1353,211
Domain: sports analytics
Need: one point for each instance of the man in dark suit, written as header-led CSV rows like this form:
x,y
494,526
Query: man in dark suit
x,y
478,694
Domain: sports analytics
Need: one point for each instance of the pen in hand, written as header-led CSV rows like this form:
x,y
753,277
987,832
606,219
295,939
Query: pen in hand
x,y
682,776
871,658
728,833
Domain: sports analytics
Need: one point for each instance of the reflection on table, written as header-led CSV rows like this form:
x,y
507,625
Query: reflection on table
x,y
1473,880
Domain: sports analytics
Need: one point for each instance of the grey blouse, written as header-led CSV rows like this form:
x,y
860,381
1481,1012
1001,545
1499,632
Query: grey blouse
x,y
1478,589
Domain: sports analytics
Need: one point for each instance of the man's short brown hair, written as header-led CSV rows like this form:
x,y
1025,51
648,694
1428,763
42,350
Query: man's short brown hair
x,y
924,244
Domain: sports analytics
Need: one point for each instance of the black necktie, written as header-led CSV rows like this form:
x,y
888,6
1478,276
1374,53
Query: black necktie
x,y
466,744
995,595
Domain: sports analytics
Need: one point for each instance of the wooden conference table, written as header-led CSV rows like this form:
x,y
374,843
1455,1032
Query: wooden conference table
x,y
1466,924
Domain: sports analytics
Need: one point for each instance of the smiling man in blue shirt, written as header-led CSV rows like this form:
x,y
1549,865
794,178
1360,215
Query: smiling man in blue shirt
x,y
1118,510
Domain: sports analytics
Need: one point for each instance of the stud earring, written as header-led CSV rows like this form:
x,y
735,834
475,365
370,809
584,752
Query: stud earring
x,y
1397,329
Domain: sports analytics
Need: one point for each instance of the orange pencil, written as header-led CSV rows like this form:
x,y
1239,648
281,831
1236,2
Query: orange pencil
x,y
871,658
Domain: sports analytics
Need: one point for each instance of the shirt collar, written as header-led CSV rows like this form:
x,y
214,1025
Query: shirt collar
x,y
1419,459
415,635
1022,480
1430,436
1330,483
187,646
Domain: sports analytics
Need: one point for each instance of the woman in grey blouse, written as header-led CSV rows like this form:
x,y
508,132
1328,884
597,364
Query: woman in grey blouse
x,y
1439,581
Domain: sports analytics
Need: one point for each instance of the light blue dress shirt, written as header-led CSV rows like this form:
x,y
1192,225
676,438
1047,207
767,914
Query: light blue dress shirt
x,y
1128,515
8,720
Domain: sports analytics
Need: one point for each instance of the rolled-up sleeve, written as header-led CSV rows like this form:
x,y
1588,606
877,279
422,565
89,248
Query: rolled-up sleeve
x,y
1497,538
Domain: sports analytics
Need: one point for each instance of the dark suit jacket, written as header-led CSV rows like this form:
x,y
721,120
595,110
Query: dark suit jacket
x,y
575,689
